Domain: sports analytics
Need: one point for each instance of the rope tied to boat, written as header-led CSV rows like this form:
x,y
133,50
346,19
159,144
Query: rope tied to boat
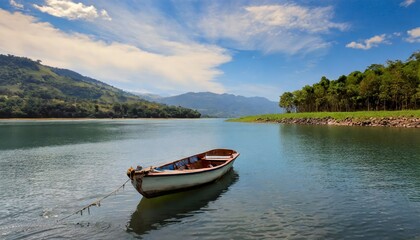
x,y
96,203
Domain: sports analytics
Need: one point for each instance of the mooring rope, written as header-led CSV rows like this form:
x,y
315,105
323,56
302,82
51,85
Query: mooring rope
x,y
96,203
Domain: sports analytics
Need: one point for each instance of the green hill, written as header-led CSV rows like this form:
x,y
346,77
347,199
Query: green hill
x,y
29,89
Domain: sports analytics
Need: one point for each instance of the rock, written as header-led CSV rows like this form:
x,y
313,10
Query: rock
x,y
406,122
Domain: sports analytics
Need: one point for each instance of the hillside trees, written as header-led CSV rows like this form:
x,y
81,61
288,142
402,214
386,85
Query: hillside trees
x,y
31,90
394,86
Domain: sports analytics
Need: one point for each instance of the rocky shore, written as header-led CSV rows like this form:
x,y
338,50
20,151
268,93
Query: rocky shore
x,y
405,122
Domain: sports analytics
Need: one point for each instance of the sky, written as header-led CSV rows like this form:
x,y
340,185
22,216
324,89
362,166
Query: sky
x,y
243,47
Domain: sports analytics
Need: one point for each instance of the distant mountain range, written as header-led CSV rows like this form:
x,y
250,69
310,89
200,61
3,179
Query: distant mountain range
x,y
219,105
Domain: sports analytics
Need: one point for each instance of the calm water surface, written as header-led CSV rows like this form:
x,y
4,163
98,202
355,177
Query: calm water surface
x,y
296,182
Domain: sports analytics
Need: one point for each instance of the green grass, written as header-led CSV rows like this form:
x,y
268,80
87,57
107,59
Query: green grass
x,y
335,115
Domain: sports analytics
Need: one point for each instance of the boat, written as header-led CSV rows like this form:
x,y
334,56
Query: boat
x,y
183,174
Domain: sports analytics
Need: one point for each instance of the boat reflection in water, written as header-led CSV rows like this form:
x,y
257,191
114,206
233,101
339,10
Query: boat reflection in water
x,y
152,213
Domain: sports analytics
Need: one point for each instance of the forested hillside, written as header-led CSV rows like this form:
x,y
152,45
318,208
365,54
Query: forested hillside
x,y
393,86
30,89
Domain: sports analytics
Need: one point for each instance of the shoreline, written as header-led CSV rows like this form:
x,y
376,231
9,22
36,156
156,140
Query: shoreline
x,y
85,119
403,122
403,118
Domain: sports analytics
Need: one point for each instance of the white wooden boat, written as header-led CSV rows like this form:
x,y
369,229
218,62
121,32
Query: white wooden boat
x,y
182,174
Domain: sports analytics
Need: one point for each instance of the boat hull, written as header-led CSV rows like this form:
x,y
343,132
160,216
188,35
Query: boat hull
x,y
155,185
183,174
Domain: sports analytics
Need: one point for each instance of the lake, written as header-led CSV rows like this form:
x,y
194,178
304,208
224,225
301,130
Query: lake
x,y
296,182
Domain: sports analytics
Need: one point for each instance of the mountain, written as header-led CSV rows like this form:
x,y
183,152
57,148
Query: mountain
x,y
30,89
222,105
148,96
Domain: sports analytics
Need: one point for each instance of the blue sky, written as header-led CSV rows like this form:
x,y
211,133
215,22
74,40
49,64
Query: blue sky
x,y
250,48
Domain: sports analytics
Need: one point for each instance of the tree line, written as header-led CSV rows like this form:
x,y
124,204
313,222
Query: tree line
x,y
15,107
393,86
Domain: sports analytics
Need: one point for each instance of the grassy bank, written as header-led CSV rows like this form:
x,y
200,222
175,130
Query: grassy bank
x,y
335,115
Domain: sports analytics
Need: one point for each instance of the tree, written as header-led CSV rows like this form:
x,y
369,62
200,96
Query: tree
x,y
287,101
369,89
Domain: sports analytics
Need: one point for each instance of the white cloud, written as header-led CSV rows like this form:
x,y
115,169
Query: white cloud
x,y
190,68
71,10
407,3
290,16
16,4
104,15
369,43
287,28
147,29
413,35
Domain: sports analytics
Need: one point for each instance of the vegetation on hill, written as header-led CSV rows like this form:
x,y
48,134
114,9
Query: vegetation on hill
x,y
29,89
394,86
